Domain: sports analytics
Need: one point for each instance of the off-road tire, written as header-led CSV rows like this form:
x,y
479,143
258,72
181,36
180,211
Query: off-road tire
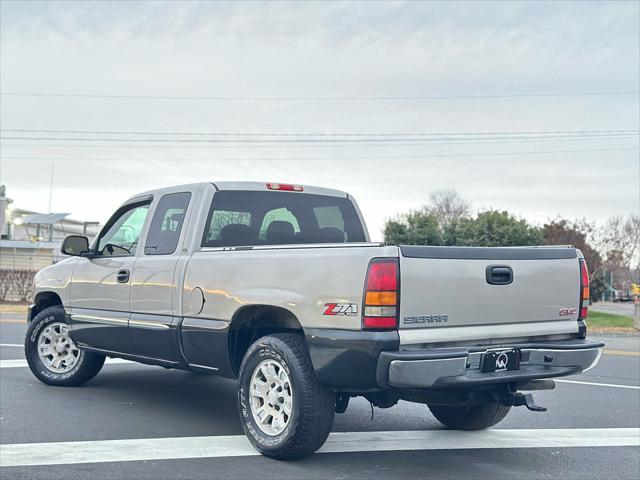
x,y
87,366
475,417
313,406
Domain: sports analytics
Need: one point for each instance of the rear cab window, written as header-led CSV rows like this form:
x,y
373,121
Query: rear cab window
x,y
166,224
251,218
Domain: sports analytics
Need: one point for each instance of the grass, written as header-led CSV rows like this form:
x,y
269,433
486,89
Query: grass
x,y
600,320
13,307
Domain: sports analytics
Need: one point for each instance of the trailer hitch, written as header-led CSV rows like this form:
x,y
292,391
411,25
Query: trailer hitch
x,y
512,397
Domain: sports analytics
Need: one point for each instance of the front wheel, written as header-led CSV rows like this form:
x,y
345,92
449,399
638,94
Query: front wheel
x,y
473,417
52,355
285,412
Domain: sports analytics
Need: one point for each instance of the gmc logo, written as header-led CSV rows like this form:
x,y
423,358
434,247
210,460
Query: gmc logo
x,y
568,312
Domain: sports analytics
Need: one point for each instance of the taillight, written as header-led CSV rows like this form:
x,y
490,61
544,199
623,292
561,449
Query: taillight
x,y
584,290
381,303
285,186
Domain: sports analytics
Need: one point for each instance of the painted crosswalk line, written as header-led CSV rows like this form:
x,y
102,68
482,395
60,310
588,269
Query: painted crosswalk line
x,y
59,453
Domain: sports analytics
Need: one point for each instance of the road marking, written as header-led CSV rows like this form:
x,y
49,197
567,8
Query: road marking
x,y
621,352
59,453
11,345
22,363
12,321
632,387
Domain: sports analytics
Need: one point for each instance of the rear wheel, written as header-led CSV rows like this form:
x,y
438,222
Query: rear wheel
x,y
285,412
473,417
52,355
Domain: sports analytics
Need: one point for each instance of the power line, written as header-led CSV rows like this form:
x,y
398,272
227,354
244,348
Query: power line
x,y
325,140
319,99
299,145
298,158
325,134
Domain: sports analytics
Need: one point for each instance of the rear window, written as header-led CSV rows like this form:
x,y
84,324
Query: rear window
x,y
248,218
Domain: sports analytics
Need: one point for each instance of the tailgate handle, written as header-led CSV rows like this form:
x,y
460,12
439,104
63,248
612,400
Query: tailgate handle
x,y
499,274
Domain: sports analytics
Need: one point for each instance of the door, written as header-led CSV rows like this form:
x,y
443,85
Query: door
x,y
153,323
100,285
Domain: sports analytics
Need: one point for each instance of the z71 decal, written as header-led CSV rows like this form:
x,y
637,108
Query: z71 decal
x,y
347,309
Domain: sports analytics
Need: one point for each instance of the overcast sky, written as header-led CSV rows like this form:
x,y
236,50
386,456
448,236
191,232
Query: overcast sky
x,y
330,68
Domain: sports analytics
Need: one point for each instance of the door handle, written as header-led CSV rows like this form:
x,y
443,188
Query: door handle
x,y
499,274
123,276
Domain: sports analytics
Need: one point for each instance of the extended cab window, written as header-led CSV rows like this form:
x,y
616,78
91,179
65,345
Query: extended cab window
x,y
166,225
248,218
122,232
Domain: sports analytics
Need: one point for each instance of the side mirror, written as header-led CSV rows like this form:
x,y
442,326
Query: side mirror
x,y
75,245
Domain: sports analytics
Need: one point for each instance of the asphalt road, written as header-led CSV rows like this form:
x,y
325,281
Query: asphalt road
x,y
142,403
624,308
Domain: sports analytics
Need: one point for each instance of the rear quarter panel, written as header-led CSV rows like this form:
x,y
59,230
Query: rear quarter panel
x,y
301,280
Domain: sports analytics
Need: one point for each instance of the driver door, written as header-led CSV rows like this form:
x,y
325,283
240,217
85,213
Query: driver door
x,y
100,285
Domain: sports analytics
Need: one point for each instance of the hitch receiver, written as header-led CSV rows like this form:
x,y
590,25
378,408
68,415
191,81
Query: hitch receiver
x,y
525,399
514,398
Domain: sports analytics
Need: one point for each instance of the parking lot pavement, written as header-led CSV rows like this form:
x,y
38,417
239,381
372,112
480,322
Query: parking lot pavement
x,y
622,308
186,426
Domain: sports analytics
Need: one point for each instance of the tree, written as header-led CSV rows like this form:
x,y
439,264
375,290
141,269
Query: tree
x,y
565,232
414,228
619,242
488,229
493,228
23,283
448,207
6,283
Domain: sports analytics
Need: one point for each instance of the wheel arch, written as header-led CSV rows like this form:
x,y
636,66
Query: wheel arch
x,y
251,322
42,300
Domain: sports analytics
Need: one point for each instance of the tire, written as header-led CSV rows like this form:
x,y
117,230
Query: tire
x,y
75,366
475,417
311,406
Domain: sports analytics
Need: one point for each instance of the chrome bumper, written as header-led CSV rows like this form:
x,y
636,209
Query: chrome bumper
x,y
460,367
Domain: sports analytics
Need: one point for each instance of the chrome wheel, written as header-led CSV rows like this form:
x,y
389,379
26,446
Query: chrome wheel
x,y
56,350
271,397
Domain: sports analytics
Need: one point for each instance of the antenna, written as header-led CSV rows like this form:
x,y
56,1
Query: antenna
x,y
53,164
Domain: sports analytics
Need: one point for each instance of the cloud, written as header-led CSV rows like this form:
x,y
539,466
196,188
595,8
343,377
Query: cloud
x,y
326,50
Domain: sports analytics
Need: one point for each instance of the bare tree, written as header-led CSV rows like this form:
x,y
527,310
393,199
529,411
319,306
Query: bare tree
x,y
24,283
448,206
7,279
619,241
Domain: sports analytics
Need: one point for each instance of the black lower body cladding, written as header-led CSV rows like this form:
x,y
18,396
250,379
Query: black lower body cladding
x,y
347,360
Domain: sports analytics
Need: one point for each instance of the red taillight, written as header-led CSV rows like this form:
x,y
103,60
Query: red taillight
x,y
383,276
285,186
381,296
584,290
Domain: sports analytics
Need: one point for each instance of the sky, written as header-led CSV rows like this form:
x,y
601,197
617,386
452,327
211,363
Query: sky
x,y
453,86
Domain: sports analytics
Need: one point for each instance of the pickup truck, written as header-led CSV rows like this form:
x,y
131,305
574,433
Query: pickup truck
x,y
279,286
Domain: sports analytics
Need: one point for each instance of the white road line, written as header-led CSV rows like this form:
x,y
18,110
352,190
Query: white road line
x,y
22,363
631,387
12,345
58,453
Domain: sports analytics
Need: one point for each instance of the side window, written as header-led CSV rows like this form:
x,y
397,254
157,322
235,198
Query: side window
x,y
122,232
225,218
282,216
166,225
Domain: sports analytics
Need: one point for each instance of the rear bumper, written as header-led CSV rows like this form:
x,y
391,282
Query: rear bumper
x,y
460,368
362,361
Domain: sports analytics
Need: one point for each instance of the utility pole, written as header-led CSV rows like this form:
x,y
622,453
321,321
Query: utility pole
x,y
51,185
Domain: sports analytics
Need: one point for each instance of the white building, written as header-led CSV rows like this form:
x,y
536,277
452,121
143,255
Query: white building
x,y
31,240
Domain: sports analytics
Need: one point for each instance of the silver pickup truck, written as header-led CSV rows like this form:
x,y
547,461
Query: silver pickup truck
x,y
278,286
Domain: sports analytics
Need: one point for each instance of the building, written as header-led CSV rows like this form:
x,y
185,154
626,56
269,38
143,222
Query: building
x,y
31,240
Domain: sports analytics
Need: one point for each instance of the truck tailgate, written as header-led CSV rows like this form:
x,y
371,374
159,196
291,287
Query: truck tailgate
x,y
494,292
